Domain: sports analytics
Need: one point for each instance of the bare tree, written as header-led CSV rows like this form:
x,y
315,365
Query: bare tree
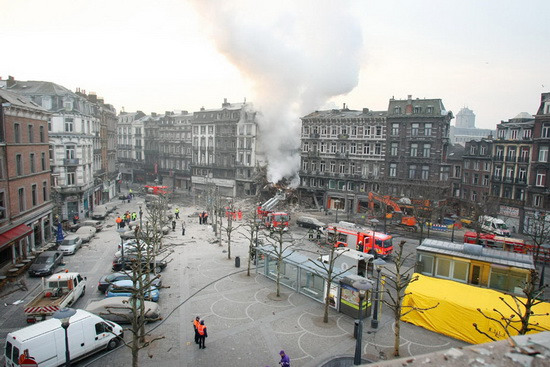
x,y
329,256
252,229
397,283
538,231
281,242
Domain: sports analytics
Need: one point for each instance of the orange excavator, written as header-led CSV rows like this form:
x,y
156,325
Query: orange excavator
x,y
407,222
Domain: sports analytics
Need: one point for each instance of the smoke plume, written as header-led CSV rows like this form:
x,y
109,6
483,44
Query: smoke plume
x,y
296,55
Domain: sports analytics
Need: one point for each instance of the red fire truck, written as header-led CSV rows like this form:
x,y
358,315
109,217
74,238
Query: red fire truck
x,y
270,218
507,244
359,238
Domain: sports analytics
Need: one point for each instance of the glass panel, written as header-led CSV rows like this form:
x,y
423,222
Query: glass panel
x,y
312,285
498,279
427,264
460,271
443,267
289,275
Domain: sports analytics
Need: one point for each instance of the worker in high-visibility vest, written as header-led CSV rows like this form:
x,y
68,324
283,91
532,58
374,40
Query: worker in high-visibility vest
x,y
177,213
202,334
118,220
196,323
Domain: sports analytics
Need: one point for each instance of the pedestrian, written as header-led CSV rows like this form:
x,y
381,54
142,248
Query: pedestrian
x,y
196,324
203,334
118,220
173,225
200,218
177,213
310,234
240,214
131,194
205,218
183,228
318,234
285,359
129,198
134,216
75,219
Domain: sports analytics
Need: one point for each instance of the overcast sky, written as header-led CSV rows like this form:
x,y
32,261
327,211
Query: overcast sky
x,y
155,56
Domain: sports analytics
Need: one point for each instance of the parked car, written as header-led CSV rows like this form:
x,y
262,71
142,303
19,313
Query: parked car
x,y
43,341
131,250
70,244
121,311
86,233
46,263
108,279
309,222
126,263
111,207
125,288
92,223
100,212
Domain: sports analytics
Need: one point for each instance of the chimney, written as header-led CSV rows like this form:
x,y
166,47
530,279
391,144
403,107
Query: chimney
x,y
11,82
202,108
409,97
225,104
92,97
365,110
100,100
153,114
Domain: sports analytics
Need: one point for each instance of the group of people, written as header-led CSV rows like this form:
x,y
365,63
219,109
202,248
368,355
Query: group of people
x,y
203,218
125,220
234,214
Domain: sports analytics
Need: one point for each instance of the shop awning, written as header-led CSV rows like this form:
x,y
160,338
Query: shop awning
x,y
14,234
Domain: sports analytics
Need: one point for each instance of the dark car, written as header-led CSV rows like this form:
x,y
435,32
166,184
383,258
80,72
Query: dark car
x,y
126,263
106,280
309,222
46,263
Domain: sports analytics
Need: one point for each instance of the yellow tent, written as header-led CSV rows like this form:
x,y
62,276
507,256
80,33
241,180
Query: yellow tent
x,y
457,310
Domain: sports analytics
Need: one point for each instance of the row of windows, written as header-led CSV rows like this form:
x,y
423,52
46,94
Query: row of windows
x,y
69,126
22,198
348,131
30,133
19,170
344,148
344,168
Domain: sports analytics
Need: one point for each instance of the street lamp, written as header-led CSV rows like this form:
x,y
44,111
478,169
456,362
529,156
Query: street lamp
x,y
362,286
140,216
64,315
379,264
454,217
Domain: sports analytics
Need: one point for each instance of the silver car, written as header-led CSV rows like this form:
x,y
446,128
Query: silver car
x,y
118,309
70,244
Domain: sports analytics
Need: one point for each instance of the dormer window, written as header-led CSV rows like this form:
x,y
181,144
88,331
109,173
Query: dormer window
x,y
417,109
397,110
429,109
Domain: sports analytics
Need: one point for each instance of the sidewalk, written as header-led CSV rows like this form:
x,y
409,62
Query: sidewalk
x,y
247,325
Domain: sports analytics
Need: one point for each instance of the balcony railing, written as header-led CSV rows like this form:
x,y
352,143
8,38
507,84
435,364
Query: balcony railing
x,y
71,161
314,136
499,158
343,136
523,159
521,180
510,159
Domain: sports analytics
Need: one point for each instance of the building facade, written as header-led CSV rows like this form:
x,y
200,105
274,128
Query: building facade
x,y
130,146
25,192
465,128
478,167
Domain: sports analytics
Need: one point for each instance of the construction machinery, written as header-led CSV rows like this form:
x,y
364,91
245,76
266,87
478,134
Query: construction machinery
x,y
406,221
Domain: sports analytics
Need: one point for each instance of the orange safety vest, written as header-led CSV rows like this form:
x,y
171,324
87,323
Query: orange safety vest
x,y
201,329
118,220
196,323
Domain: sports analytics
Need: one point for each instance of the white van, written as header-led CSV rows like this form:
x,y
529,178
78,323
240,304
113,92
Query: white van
x,y
494,225
45,341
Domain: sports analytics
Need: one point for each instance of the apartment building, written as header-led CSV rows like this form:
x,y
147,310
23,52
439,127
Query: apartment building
x,y
130,146
477,170
25,193
342,157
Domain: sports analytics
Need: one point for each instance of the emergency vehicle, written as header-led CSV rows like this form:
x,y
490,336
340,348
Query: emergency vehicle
x,y
156,190
507,244
271,219
345,234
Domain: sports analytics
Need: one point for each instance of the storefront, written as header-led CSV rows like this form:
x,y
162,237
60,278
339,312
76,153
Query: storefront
x,y
14,243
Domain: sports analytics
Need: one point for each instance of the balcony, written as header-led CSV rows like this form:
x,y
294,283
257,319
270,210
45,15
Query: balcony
x,y
71,161
342,155
523,159
497,179
521,181
312,154
499,158
314,136
343,136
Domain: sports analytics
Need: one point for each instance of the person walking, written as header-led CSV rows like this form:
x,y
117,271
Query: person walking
x,y
118,220
285,359
200,218
203,334
75,219
134,216
177,213
183,228
204,218
196,324
173,225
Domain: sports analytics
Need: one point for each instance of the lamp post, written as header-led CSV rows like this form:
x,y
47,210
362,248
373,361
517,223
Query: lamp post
x,y
379,264
64,315
362,286
454,217
140,216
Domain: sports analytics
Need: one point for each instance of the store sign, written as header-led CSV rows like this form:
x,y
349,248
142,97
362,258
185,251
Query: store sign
x,y
509,211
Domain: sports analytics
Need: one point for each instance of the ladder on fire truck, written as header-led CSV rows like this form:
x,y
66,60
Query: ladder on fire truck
x,y
272,203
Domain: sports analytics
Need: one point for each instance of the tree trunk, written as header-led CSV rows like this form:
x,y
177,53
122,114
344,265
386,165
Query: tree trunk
x,y
279,277
327,302
229,243
135,350
396,336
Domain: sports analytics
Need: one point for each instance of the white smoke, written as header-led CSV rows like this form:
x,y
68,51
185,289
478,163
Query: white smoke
x,y
296,54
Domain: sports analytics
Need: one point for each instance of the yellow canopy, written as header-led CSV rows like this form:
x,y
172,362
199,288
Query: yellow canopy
x,y
457,310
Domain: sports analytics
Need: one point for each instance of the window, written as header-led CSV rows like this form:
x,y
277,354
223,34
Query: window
x,y
366,149
378,130
377,148
394,149
353,148
3,209
45,191
305,165
414,150
514,134
498,172
545,133
33,168
70,152
457,171
541,179
443,268
426,152
427,264
428,129
543,154
34,195
393,170
18,165
501,133
506,280
397,110
483,150
42,136
485,181
333,147
31,134
537,200
342,168
414,129
452,269
21,193
527,134
474,196
417,109
426,172
306,147
332,166
429,110
475,179
395,129
412,171
69,124
17,133
322,166
70,178
472,150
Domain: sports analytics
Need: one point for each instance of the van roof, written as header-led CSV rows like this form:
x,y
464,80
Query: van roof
x,y
61,276
42,327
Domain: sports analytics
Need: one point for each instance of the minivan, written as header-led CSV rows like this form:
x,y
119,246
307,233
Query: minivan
x,y
45,342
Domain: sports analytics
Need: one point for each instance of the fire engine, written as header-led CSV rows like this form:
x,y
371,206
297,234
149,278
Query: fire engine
x,y
345,234
156,190
271,219
507,244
